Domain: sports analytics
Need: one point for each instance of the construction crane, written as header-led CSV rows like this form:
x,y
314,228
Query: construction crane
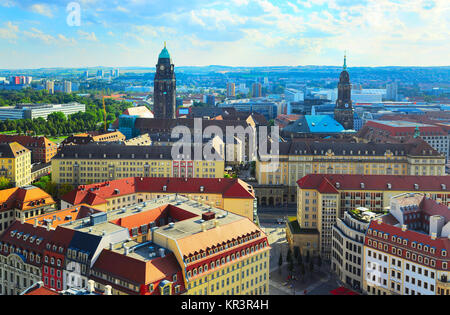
x,y
104,110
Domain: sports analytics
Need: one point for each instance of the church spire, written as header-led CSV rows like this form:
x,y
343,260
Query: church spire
x,y
345,61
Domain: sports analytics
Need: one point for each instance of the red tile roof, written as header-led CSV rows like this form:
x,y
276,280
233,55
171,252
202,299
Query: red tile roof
x,y
136,270
96,194
412,236
376,182
42,291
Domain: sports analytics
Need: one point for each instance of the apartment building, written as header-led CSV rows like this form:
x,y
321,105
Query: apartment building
x,y
406,251
15,163
23,203
381,130
165,246
21,256
82,165
347,246
324,198
42,149
232,195
298,159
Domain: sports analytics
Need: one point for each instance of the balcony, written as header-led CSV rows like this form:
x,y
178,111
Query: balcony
x,y
443,282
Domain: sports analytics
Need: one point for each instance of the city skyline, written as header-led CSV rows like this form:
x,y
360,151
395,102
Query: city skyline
x,y
239,33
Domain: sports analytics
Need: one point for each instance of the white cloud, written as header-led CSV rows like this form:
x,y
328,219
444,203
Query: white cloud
x,y
9,32
38,34
42,9
88,36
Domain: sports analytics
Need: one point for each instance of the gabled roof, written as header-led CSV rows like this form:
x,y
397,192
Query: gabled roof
x,y
12,150
24,198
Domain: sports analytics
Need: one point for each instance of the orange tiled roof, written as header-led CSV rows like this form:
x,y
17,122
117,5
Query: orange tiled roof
x,y
25,198
42,291
64,216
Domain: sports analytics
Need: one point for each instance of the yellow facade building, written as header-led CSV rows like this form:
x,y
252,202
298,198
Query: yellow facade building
x,y
82,165
298,159
15,163
323,198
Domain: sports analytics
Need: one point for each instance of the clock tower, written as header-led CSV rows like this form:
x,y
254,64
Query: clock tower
x,y
164,94
344,112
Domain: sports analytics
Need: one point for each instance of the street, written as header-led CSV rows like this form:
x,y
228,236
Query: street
x,y
317,282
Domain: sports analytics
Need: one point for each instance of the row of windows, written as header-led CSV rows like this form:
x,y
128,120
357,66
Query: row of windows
x,y
221,247
224,260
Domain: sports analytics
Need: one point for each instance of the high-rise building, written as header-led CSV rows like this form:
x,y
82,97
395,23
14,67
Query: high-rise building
x,y
100,74
392,91
50,86
256,90
165,87
231,90
67,87
209,99
344,111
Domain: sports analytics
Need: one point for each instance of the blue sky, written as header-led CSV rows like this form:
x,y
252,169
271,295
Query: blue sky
x,y
35,33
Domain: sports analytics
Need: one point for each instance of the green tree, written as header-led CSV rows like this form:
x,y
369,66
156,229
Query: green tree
x,y
300,260
302,270
5,183
64,189
280,261
289,255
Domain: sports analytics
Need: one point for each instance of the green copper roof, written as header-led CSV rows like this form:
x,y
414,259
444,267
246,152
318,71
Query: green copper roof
x,y
164,54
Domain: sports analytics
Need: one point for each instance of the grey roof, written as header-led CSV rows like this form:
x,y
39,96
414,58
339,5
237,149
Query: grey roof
x,y
117,151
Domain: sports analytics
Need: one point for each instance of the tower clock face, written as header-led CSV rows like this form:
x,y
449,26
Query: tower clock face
x,y
162,68
346,105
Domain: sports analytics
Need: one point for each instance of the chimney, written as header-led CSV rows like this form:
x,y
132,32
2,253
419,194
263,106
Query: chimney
x,y
48,227
162,252
91,286
379,221
216,223
108,290
404,227
35,222
127,250
22,220
203,226
433,236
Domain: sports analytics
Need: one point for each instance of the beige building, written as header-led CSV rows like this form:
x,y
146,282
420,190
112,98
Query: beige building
x,y
298,159
324,198
347,246
15,163
83,165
